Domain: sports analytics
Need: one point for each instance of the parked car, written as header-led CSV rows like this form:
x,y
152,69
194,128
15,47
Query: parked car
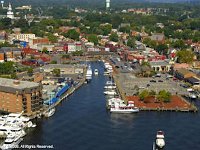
x,y
152,81
158,75
184,85
160,80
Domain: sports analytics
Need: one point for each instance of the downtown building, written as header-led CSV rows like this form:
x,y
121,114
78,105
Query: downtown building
x,y
20,96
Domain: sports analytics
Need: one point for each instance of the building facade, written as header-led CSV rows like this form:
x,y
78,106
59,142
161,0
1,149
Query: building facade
x,y
20,96
24,37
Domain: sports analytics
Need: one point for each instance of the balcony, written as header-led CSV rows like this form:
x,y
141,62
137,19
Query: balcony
x,y
24,102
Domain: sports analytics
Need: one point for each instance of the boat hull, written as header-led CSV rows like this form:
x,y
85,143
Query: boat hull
x,y
124,111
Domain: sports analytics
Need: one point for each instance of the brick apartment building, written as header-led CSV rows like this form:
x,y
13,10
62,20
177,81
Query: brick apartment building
x,y
17,96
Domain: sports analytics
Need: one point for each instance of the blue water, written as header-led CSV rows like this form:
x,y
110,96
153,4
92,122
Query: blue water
x,y
81,122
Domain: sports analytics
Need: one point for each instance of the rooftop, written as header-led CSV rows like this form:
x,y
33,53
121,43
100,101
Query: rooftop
x,y
159,63
13,86
17,84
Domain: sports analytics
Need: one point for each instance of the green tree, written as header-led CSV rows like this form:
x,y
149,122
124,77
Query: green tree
x,y
114,37
72,34
131,42
45,50
164,96
145,63
56,72
53,62
77,53
179,44
185,56
93,38
6,44
13,75
149,43
106,29
162,48
30,71
125,29
65,56
152,93
5,23
52,38
144,94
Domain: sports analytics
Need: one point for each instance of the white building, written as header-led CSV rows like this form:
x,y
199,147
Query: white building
x,y
10,14
107,4
71,47
24,37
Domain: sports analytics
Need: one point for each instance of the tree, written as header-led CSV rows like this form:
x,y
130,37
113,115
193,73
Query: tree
x,y
114,37
72,34
179,44
164,96
145,63
56,72
45,50
13,75
65,56
131,42
5,23
162,48
125,29
30,71
144,94
93,38
106,29
7,67
6,44
150,43
52,38
53,62
152,93
77,53
185,56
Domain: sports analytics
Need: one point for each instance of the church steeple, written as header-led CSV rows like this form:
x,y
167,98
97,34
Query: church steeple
x,y
9,7
10,14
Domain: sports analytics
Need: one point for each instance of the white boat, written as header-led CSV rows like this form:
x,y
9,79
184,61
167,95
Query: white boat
x,y
110,87
14,120
111,102
12,141
110,83
159,142
106,73
96,72
123,108
192,95
50,112
89,74
112,92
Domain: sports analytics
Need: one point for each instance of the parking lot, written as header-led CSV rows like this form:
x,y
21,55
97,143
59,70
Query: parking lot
x,y
129,83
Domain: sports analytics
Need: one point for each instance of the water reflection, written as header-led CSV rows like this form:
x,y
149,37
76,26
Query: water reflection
x,y
119,119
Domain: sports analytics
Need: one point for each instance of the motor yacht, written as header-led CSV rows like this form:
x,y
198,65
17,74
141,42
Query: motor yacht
x,y
111,92
89,74
96,72
12,141
119,107
50,112
159,143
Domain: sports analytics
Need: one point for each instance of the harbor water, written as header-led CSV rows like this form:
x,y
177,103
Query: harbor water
x,y
81,122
